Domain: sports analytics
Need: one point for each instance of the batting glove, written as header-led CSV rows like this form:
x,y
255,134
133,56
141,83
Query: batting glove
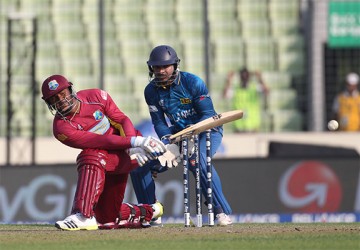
x,y
140,155
171,157
150,144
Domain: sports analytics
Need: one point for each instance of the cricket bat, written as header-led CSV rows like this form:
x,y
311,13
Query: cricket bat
x,y
208,123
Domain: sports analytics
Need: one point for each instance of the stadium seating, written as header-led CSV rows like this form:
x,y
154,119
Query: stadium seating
x,y
284,9
286,120
277,80
252,10
224,29
263,35
130,30
281,27
139,83
160,32
190,29
84,81
118,83
291,54
229,54
134,55
255,29
128,11
46,66
224,10
159,11
279,99
260,54
194,56
66,11
38,8
188,11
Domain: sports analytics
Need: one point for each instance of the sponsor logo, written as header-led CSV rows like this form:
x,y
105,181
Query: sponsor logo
x,y
53,85
103,162
61,137
103,95
101,127
30,202
216,117
310,187
185,100
324,217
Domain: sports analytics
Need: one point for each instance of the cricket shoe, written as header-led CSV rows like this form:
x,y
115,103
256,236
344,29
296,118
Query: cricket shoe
x,y
76,222
156,222
223,219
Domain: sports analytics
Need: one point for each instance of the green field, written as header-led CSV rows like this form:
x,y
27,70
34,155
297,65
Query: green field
x,y
175,236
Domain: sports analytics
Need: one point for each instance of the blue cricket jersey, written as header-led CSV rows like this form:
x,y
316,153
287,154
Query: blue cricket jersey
x,y
185,102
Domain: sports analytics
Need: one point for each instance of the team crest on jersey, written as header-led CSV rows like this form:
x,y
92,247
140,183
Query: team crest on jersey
x,y
161,103
185,100
53,85
61,137
98,115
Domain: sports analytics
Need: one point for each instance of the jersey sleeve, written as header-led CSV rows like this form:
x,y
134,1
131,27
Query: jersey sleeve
x,y
203,104
70,136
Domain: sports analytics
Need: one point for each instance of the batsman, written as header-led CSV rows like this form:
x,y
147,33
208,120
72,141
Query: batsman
x,y
90,120
177,99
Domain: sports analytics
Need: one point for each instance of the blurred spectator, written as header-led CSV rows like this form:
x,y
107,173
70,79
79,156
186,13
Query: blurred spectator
x,y
346,106
248,93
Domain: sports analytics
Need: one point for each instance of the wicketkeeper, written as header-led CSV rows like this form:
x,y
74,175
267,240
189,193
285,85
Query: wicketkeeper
x,y
183,98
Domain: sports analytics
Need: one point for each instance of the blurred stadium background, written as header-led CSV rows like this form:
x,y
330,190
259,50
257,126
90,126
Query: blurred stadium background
x,y
297,45
286,40
106,44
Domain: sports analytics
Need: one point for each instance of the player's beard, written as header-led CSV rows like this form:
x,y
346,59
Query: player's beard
x,y
65,106
164,80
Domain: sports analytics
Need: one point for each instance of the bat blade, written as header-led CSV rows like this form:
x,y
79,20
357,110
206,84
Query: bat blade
x,y
208,123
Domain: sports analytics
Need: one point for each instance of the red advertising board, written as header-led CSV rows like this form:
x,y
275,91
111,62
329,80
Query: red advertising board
x,y
252,186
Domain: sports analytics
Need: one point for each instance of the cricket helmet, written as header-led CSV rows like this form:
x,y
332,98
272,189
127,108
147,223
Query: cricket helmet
x,y
54,84
163,55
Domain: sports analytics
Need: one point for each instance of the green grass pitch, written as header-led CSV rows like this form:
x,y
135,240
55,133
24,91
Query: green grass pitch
x,y
175,236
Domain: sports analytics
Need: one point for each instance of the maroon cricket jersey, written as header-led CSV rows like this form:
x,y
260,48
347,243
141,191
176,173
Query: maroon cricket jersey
x,y
99,124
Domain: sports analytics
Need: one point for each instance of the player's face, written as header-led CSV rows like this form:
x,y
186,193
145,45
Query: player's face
x,y
163,73
62,102
351,87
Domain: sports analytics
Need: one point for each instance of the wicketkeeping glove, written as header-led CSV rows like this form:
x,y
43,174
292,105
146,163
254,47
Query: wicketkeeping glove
x,y
171,157
140,155
150,144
